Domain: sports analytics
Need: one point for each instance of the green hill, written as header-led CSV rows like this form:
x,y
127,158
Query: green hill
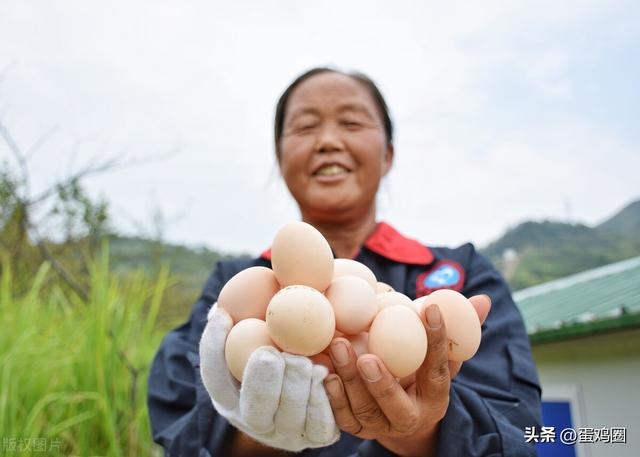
x,y
190,268
625,222
193,264
536,252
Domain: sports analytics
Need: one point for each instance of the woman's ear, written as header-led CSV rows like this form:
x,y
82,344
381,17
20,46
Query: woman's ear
x,y
387,160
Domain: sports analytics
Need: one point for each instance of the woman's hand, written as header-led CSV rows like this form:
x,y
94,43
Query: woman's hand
x,y
281,402
369,402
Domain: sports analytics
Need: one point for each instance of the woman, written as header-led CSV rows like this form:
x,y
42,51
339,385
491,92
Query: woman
x,y
334,144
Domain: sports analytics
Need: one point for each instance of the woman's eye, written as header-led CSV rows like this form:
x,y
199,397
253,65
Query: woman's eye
x,y
352,124
305,127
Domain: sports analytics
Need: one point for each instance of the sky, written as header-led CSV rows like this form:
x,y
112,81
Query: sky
x,y
504,111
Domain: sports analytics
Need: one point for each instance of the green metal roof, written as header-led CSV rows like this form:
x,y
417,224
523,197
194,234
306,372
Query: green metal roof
x,y
600,300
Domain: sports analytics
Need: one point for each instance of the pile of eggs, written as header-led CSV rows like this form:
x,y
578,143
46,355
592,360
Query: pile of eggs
x,y
308,298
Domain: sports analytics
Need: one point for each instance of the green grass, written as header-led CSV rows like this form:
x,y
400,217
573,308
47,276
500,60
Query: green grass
x,y
73,374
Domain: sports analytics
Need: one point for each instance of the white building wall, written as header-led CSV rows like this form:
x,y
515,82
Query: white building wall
x,y
604,372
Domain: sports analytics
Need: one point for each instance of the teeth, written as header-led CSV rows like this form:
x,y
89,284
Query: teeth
x,y
331,170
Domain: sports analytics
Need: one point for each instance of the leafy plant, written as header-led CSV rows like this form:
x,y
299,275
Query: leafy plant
x,y
74,372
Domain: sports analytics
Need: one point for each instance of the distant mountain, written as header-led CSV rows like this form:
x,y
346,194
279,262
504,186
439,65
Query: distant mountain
x,y
536,252
190,268
625,222
528,254
128,253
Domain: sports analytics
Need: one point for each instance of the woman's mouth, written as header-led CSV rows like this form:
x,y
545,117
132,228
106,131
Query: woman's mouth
x,y
331,170
332,173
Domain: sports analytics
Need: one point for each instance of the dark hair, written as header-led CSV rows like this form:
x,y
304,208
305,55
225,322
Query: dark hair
x,y
281,107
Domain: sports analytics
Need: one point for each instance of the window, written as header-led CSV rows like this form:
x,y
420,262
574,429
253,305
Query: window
x,y
562,407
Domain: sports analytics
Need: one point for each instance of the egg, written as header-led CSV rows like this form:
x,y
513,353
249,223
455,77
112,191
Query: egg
x,y
354,304
461,321
300,255
301,320
383,287
247,294
359,342
349,267
386,299
336,334
418,304
244,338
398,337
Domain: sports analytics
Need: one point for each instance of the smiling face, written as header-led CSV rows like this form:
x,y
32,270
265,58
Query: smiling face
x,y
333,151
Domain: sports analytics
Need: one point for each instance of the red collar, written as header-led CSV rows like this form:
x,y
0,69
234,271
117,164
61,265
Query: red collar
x,y
389,243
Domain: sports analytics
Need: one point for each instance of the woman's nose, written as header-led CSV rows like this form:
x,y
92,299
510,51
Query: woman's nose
x,y
329,140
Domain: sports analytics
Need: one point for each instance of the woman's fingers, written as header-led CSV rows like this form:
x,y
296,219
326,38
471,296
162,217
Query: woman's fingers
x,y
376,402
388,395
362,404
432,378
482,304
341,407
367,400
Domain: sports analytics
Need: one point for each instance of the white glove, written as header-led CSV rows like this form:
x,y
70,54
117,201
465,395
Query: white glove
x,y
281,403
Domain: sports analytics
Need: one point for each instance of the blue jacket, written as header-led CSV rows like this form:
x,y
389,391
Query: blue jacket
x,y
493,398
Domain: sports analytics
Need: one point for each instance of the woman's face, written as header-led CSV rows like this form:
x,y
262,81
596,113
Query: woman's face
x,y
333,151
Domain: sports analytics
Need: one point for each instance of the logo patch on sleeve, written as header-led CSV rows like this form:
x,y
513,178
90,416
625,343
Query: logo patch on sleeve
x,y
445,274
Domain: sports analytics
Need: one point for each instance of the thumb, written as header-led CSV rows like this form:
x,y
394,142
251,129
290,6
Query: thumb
x,y
432,378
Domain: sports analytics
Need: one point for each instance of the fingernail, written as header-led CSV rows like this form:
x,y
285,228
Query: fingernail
x,y
433,317
488,298
370,369
340,352
333,387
